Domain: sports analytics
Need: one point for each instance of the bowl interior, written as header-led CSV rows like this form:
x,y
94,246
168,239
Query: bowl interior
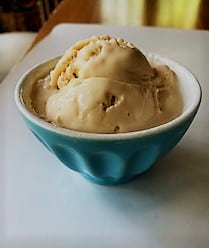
x,y
189,85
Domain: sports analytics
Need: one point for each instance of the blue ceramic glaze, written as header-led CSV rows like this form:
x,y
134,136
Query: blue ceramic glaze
x,y
107,161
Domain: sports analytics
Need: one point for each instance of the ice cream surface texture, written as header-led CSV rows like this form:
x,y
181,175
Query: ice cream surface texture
x,y
106,85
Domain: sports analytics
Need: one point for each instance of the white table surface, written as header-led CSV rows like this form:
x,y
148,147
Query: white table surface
x,y
45,204
12,47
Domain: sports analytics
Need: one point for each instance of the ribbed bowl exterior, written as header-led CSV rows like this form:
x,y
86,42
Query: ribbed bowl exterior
x,y
109,162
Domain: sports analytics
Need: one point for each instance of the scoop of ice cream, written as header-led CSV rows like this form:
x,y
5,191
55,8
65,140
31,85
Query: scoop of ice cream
x,y
106,85
102,56
104,105
98,104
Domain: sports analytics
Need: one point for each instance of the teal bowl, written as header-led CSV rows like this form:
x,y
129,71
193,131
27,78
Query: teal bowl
x,y
110,159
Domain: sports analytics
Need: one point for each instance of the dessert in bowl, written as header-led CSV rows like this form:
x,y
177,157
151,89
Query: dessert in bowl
x,y
112,117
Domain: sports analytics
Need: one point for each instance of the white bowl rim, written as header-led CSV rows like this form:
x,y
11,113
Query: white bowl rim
x,y
108,136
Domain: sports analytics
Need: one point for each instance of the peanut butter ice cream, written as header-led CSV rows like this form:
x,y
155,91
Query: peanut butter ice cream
x,y
106,85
